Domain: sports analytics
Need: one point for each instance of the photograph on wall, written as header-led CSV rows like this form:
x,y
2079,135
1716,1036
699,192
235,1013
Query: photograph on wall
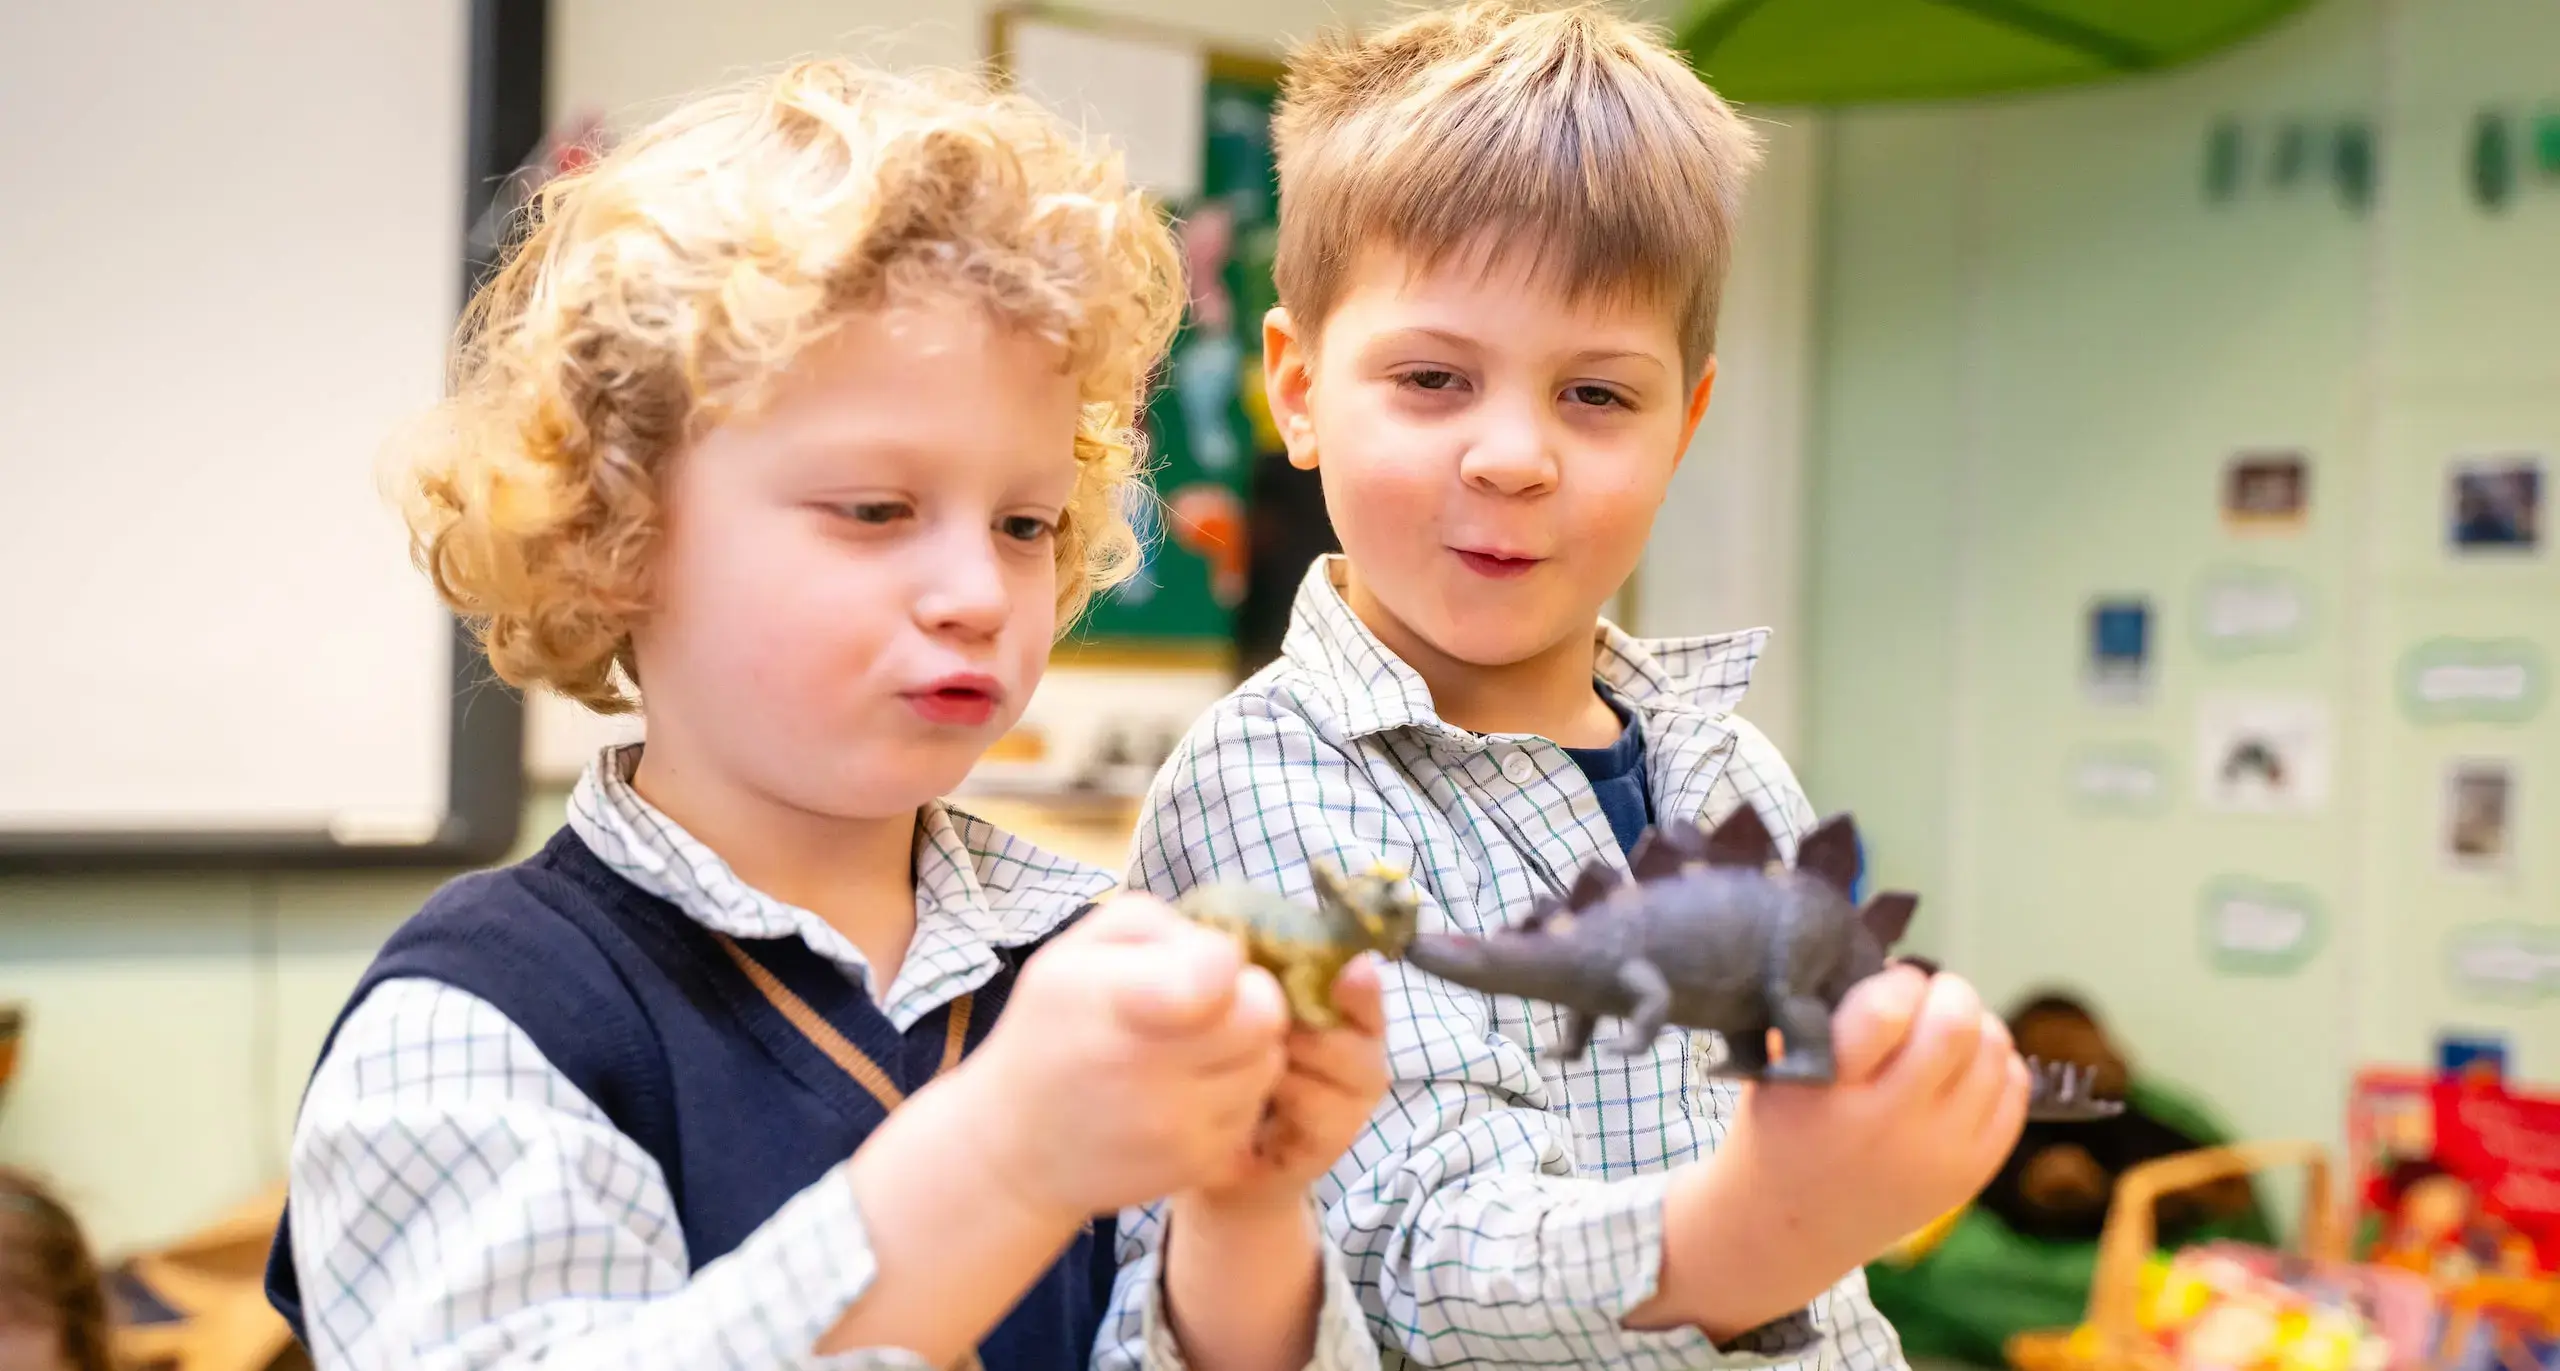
x,y
2495,504
2263,754
2266,491
2479,814
2118,670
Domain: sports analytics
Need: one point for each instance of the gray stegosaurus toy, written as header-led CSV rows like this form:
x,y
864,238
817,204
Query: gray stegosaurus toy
x,y
1712,934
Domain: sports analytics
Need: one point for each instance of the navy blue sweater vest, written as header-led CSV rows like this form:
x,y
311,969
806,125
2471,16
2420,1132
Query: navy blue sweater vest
x,y
641,1009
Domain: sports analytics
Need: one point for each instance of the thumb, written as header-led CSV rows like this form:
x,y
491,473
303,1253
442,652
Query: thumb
x,y
1874,1020
1129,916
1179,983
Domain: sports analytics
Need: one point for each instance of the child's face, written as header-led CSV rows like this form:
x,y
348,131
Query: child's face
x,y
1493,449
857,586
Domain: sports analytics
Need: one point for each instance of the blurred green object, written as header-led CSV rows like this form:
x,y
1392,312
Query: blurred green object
x,y
2222,160
1984,1282
2546,142
2492,170
2355,164
1837,52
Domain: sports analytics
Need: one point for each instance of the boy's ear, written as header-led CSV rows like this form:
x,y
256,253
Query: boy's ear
x,y
1288,375
1697,408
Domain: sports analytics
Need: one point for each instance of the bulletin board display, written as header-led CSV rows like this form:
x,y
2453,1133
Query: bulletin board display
x,y
1194,122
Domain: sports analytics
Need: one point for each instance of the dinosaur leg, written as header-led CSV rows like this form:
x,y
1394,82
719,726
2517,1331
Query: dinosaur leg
x,y
1643,982
1805,1023
1309,984
1746,1055
1577,1036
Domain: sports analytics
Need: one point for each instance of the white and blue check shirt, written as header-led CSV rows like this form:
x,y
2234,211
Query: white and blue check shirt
x,y
1501,1209
458,1203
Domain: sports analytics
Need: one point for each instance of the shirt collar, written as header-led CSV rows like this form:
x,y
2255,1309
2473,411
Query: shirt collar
x,y
978,888
1375,691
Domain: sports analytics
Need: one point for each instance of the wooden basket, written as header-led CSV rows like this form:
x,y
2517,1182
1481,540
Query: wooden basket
x,y
2131,1235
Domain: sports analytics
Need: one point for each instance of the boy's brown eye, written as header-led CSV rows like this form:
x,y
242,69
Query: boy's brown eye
x,y
1027,528
1430,379
873,511
1596,395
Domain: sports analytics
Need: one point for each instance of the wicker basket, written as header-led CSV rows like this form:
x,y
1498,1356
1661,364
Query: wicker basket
x,y
2114,1340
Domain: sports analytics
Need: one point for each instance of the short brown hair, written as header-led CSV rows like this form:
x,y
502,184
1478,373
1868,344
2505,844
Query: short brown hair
x,y
1571,132
665,286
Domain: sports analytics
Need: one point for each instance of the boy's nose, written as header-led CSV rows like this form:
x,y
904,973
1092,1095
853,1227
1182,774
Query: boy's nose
x,y
1513,460
963,589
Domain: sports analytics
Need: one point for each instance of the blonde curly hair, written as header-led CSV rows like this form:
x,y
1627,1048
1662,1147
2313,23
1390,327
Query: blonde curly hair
x,y
663,287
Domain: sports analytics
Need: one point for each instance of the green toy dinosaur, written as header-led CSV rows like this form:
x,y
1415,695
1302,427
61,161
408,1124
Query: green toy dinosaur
x,y
1306,946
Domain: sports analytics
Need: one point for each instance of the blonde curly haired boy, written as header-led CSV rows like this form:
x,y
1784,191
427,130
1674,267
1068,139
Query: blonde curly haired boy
x,y
800,422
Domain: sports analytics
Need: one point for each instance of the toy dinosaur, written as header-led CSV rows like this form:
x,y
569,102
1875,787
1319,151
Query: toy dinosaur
x,y
1711,934
1307,946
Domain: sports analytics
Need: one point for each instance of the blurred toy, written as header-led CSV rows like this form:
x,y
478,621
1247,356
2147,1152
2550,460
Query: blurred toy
x,y
2059,1181
2501,1324
2435,1226
1712,935
2220,1308
1306,946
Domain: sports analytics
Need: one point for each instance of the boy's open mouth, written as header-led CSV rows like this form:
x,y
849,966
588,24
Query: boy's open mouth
x,y
1497,565
964,700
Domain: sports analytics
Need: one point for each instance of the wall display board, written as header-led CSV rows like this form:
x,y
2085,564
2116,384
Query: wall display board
x,y
218,650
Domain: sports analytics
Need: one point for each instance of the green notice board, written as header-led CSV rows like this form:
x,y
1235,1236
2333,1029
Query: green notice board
x,y
1206,420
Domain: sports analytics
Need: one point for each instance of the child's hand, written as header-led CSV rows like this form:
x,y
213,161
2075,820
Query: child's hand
x,y
1929,1098
1132,1060
1333,1080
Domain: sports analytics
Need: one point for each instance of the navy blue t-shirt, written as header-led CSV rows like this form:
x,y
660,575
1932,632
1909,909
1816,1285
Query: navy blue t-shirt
x,y
1616,773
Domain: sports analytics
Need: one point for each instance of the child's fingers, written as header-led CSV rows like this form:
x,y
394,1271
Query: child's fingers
x,y
1984,1078
1945,1037
1358,994
2008,1112
1874,1020
1259,1014
1177,984
1307,1108
1129,917
1995,1035
1343,1060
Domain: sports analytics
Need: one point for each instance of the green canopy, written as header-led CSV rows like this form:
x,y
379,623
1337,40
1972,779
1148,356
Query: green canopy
x,y
1830,52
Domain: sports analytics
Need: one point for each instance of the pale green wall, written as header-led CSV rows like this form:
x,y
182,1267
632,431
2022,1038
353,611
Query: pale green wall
x,y
172,1022
2039,342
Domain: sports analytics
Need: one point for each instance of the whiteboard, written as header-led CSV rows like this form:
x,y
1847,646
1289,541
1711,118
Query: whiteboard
x,y
1140,91
233,258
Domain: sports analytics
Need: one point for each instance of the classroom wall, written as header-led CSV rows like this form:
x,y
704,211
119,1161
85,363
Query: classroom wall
x,y
2039,340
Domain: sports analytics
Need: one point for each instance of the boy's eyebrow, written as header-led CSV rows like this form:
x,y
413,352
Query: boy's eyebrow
x,y
1584,357
1457,340
1618,355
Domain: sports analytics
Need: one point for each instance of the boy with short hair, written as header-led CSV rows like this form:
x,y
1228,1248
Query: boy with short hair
x,y
1503,237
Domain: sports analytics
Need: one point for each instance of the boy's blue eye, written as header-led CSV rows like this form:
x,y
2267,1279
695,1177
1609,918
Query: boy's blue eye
x,y
1027,528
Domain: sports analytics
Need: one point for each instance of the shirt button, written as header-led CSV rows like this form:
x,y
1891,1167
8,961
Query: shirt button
x,y
1520,767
